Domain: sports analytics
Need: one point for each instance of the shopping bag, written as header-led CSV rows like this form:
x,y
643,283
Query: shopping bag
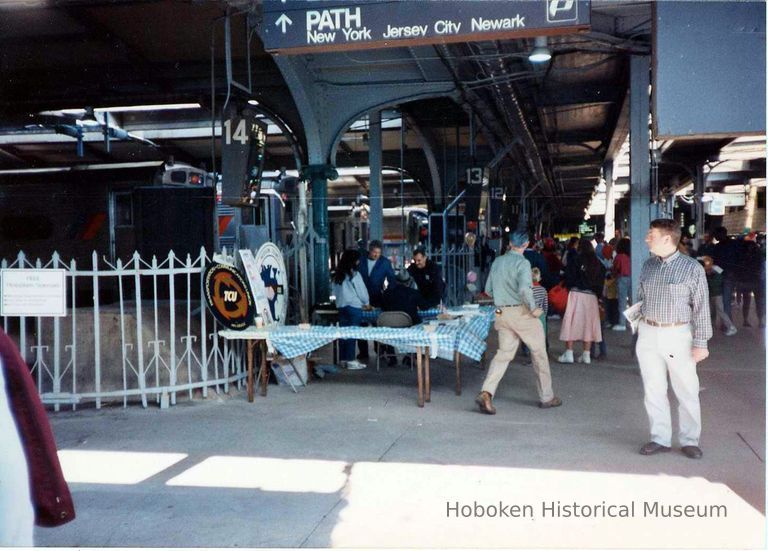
x,y
558,299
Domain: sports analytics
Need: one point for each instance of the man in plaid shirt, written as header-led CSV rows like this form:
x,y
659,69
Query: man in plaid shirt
x,y
672,337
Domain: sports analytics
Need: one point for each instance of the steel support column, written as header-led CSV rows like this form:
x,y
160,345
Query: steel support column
x,y
376,195
639,164
522,220
610,201
698,193
318,176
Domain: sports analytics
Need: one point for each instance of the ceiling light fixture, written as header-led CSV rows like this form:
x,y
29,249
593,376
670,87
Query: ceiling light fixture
x,y
153,107
540,52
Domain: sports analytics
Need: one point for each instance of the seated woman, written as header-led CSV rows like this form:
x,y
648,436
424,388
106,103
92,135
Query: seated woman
x,y
351,299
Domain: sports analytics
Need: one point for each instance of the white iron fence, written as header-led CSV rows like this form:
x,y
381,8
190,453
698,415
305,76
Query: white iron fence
x,y
134,331
140,331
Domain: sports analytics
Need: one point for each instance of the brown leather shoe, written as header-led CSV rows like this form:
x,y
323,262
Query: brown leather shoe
x,y
553,403
652,448
694,452
485,402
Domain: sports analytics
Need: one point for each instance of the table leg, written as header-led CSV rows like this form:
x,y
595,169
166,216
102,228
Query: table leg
x,y
427,384
419,377
457,359
264,372
249,344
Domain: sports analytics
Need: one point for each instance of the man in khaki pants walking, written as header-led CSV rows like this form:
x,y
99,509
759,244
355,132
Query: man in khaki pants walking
x,y
517,319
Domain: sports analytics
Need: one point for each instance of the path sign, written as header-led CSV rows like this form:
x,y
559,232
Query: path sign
x,y
302,26
33,293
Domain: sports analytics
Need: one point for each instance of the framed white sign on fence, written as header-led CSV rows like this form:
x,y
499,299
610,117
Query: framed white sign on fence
x,y
33,293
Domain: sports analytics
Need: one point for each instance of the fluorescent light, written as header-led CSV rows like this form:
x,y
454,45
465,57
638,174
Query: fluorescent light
x,y
105,166
540,52
252,102
155,107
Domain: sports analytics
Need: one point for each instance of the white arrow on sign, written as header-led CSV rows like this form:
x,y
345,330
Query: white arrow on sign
x,y
283,20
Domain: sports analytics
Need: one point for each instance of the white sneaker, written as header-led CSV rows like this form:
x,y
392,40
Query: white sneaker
x,y
355,365
566,357
731,332
585,358
619,327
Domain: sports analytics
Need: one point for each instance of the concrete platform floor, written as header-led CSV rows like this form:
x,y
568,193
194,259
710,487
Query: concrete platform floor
x,y
351,461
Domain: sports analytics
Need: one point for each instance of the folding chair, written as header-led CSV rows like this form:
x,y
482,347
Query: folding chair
x,y
397,320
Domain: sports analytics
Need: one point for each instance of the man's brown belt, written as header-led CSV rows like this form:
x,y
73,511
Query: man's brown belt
x,y
657,324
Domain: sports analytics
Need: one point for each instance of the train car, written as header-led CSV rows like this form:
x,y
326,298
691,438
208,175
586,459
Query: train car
x,y
113,209
403,229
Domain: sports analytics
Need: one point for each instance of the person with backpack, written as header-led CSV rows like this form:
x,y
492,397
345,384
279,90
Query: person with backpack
x,y
584,277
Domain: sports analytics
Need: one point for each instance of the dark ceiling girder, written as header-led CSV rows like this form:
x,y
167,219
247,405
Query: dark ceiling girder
x,y
570,173
620,132
97,31
516,122
179,153
579,178
571,137
569,162
692,153
585,93
738,176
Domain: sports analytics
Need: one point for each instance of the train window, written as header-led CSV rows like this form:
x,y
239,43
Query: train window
x,y
15,227
123,209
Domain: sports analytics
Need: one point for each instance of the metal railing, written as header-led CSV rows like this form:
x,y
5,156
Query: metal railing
x,y
134,331
139,331
456,263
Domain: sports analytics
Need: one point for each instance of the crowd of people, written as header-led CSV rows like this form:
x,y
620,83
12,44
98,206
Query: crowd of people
x,y
683,292
589,282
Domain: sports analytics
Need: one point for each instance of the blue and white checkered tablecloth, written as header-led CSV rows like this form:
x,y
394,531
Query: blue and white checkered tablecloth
x,y
292,341
468,336
370,316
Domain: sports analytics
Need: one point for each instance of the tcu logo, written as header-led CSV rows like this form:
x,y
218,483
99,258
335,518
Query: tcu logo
x,y
562,10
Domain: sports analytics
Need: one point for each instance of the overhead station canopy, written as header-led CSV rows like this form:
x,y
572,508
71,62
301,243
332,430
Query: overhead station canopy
x,y
554,124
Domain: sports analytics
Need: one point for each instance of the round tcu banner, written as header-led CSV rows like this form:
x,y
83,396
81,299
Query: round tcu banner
x,y
228,297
